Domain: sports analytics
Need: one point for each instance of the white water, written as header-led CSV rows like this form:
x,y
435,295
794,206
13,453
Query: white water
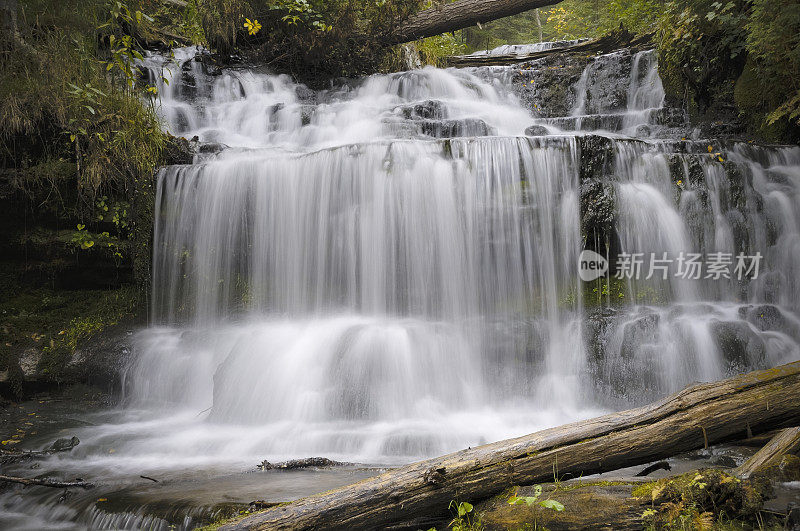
x,y
338,281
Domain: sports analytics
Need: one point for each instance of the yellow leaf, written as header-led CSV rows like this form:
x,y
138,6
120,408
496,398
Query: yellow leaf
x,y
102,499
710,149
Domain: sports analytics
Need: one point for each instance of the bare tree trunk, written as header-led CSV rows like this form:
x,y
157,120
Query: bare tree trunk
x,y
459,15
696,417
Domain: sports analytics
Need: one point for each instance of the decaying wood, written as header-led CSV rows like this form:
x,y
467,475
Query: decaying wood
x,y
722,411
47,482
444,18
615,40
785,442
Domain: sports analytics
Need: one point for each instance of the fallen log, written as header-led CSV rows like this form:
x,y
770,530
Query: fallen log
x,y
444,18
615,40
699,415
785,442
46,482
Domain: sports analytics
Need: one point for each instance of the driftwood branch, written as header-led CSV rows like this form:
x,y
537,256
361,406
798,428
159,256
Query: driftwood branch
x,y
705,413
8,455
46,482
444,18
785,442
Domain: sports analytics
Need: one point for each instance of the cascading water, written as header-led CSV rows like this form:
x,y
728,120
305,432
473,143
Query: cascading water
x,y
386,271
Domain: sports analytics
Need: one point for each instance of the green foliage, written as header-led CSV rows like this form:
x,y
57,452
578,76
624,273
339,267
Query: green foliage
x,y
570,19
69,92
465,517
56,322
313,39
574,19
433,49
773,42
701,42
701,500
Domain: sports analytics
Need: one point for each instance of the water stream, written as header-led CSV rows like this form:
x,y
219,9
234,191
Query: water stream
x,y
387,271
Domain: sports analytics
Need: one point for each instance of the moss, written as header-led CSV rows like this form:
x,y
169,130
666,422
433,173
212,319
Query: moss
x,y
54,323
703,496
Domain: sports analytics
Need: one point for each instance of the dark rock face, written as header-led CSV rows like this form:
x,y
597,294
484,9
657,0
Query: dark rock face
x,y
740,347
639,332
428,110
767,317
454,128
599,323
544,85
537,130
607,83
63,444
100,362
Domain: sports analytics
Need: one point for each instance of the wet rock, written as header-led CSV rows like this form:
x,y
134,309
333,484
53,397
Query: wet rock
x,y
598,210
544,85
671,117
454,128
178,150
599,323
607,83
640,331
740,347
428,110
211,148
306,95
63,444
306,113
596,157
767,317
724,461
100,361
537,130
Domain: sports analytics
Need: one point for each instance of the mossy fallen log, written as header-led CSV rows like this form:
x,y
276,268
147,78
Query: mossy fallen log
x,y
700,415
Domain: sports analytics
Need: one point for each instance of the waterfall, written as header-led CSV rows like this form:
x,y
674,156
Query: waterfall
x,y
387,269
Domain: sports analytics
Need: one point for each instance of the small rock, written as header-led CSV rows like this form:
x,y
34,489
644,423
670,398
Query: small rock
x,y
63,444
537,130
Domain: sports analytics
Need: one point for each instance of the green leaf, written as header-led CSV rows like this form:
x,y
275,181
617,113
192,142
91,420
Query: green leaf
x,y
552,504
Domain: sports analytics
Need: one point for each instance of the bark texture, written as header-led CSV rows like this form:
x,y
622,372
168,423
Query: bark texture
x,y
461,14
700,415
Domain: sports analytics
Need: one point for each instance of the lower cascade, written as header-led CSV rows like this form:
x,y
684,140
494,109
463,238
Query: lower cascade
x,y
388,270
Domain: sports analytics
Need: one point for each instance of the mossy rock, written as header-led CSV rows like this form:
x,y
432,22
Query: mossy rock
x,y
702,496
